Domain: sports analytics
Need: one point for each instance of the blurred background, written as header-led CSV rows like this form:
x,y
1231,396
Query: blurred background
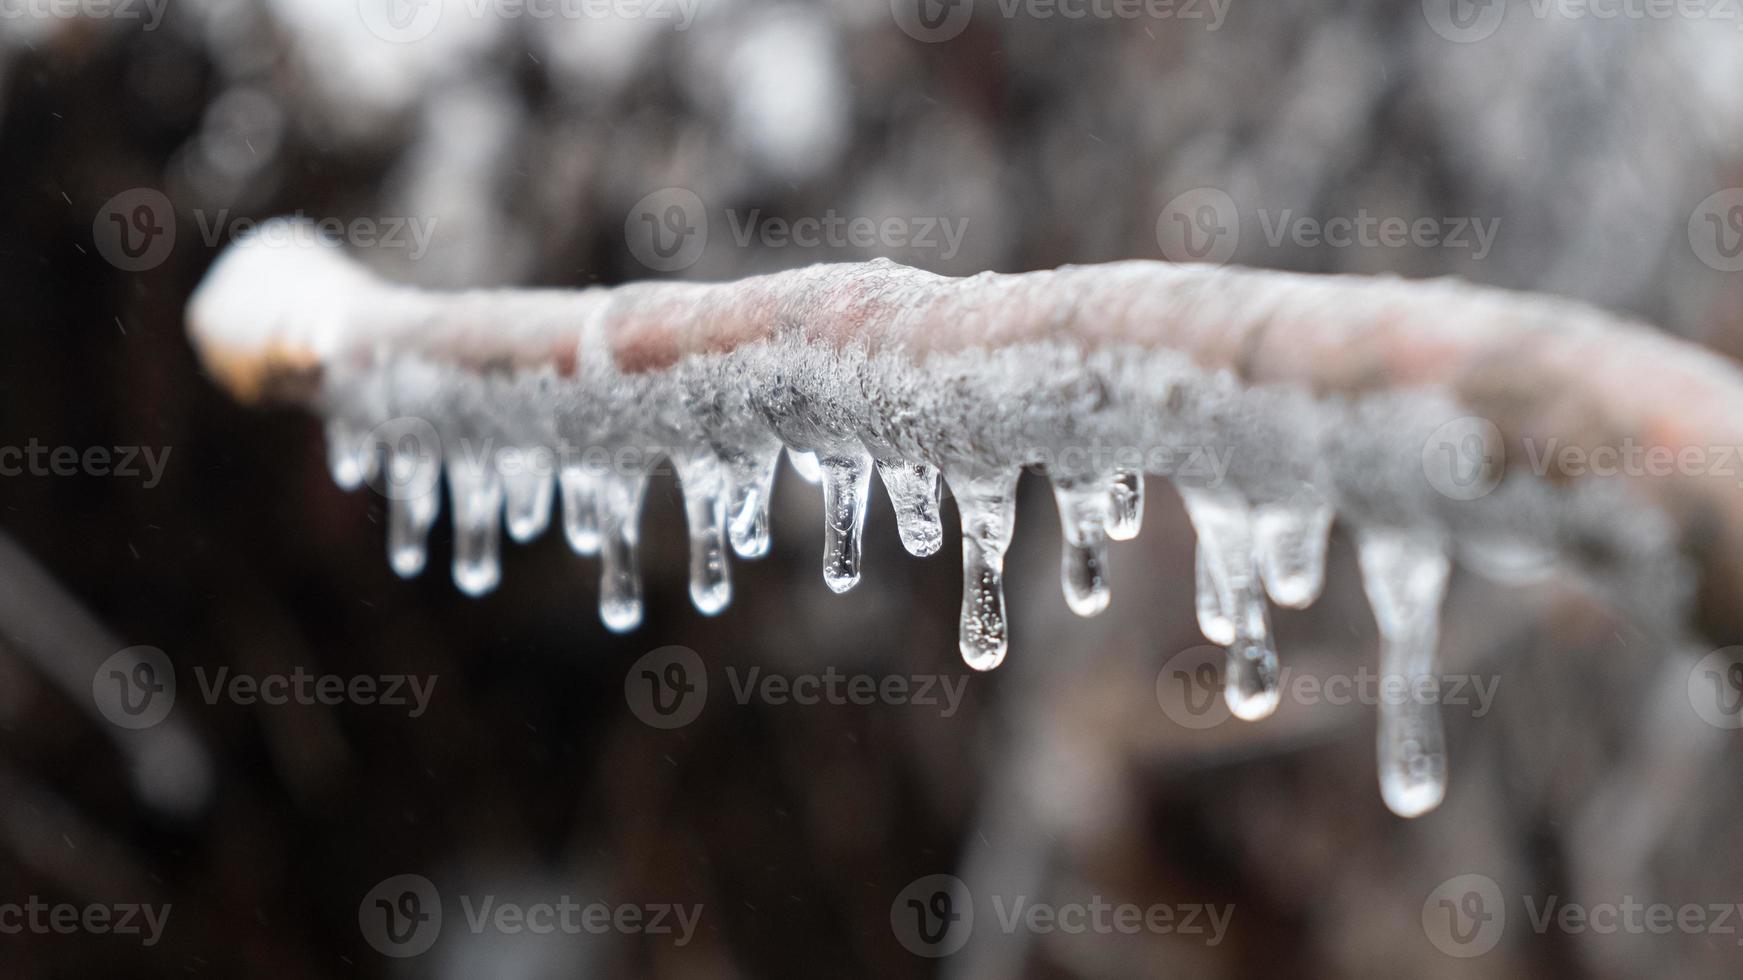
x,y
1592,151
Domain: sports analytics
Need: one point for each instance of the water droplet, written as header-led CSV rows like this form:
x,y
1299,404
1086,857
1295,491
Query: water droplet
x,y
1291,538
349,454
1405,577
1126,495
1229,591
806,465
527,490
751,481
580,508
988,505
702,479
913,490
476,492
846,491
620,579
1084,509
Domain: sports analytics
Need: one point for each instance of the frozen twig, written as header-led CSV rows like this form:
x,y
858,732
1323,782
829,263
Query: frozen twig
x,y
1437,416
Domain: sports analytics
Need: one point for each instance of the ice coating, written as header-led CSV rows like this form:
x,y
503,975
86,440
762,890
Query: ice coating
x,y
1404,575
978,413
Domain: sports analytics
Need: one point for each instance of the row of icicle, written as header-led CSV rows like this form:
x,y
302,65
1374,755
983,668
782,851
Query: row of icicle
x,y
1244,552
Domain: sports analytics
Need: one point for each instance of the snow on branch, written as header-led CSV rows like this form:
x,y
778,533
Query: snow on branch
x,y
1436,418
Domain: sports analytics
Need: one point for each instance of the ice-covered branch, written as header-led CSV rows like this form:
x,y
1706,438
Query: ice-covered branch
x,y
1432,416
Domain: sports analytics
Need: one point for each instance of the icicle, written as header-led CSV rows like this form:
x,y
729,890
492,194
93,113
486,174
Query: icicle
x,y
1225,550
1084,509
846,491
1126,496
1405,578
409,519
476,493
805,464
527,489
350,454
620,580
702,479
580,508
988,505
412,485
750,481
1216,626
913,490
1291,537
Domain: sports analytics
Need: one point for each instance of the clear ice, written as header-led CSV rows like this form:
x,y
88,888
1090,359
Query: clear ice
x,y
750,480
580,508
913,490
620,577
1405,577
702,479
988,505
1126,497
1085,510
527,489
1229,592
846,487
476,491
805,464
1291,539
